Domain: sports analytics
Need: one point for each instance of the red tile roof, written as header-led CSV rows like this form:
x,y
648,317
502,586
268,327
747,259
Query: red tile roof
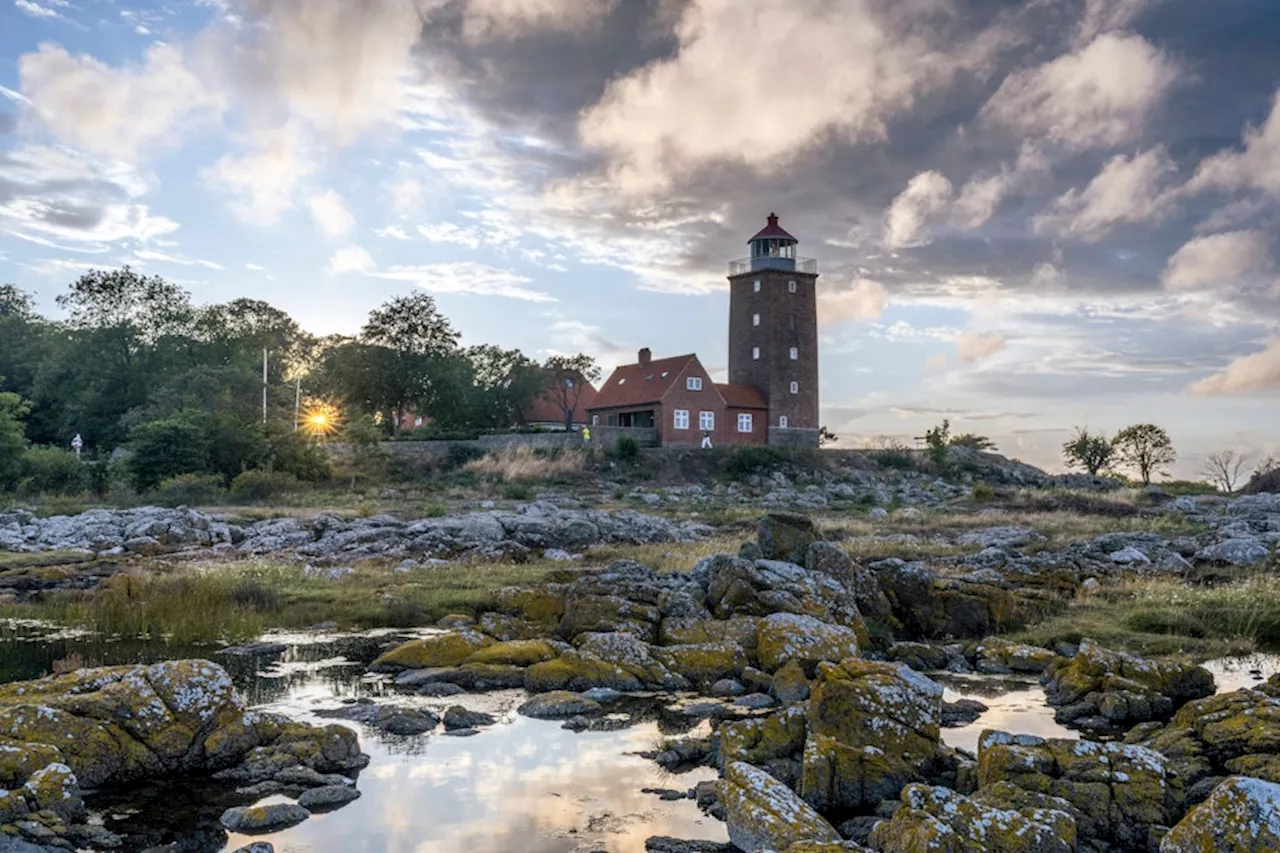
x,y
741,396
773,229
546,407
636,384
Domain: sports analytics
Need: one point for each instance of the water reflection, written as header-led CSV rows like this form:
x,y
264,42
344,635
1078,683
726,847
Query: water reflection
x,y
1013,705
1237,673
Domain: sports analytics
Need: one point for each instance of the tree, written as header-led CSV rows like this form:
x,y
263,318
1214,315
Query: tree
x,y
164,449
1224,468
113,299
13,442
826,436
938,439
568,375
1144,448
410,324
1090,452
504,383
973,441
411,358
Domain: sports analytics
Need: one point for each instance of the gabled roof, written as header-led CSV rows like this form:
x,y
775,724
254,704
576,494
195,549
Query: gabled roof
x,y
637,384
773,229
741,396
545,408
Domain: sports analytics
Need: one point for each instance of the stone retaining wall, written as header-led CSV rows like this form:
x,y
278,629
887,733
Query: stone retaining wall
x,y
604,436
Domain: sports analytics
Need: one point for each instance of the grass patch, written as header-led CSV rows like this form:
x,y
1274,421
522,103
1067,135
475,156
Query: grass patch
x,y
10,561
236,601
1164,616
530,463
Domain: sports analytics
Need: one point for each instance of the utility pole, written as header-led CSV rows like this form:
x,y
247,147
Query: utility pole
x,y
297,403
264,385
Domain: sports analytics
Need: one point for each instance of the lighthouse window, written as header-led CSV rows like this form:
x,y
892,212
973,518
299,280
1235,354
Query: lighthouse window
x,y
792,319
791,286
755,353
795,353
756,287
755,319
782,421
795,387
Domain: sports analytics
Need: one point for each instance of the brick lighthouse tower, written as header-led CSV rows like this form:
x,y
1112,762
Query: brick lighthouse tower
x,y
773,332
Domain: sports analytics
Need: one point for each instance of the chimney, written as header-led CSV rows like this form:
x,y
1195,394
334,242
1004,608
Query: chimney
x,y
645,356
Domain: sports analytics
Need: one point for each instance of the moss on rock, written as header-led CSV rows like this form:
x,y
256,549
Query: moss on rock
x,y
446,649
807,641
577,672
938,819
515,653
704,663
764,814
1242,815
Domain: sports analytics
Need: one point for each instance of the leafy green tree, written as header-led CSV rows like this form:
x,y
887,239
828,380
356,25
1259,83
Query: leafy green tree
x,y
13,442
938,440
568,375
1144,448
504,383
164,449
973,441
1091,452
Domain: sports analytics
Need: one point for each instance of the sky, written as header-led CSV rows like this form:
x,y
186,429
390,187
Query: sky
x,y
1028,215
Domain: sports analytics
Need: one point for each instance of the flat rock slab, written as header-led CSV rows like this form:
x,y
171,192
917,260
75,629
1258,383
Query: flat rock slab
x,y
263,818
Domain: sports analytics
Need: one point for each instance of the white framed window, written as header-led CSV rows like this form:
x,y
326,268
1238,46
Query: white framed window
x,y
795,353
693,383
744,423
681,420
595,420
782,421
795,387
417,421
755,353
755,319
706,421
756,286
791,286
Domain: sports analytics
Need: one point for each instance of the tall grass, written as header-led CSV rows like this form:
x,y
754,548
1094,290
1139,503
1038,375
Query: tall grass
x,y
530,463
1164,615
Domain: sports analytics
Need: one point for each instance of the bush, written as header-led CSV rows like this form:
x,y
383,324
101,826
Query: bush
x,y
517,491
747,460
983,492
167,448
897,459
189,490
627,447
262,485
52,471
459,455
938,440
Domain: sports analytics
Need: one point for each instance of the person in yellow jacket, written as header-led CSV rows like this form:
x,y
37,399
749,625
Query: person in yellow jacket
x,y
586,434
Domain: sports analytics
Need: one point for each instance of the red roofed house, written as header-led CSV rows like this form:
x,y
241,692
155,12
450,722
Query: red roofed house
x,y
772,395
547,409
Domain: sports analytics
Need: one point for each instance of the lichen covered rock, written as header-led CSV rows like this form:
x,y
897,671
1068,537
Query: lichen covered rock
x,y
445,649
873,729
703,663
120,724
808,641
577,671
1242,815
558,704
1100,685
764,814
939,819
998,657
774,743
1125,794
608,613
515,653
786,536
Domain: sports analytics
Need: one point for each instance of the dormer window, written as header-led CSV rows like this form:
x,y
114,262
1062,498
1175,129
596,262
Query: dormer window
x,y
693,383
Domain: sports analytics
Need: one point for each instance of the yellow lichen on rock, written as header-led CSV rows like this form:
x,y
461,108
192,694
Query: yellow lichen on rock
x,y
764,814
446,649
515,653
1242,815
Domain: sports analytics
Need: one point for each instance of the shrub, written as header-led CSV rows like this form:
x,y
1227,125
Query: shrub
x,y
459,455
746,460
189,490
973,441
938,440
983,492
262,485
895,459
1144,449
52,471
517,491
528,463
627,447
167,448
1091,453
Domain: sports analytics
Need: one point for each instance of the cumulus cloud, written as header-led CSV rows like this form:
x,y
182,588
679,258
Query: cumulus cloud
x,y
864,301
858,65
264,181
467,277
1257,372
980,197
118,112
1256,167
1101,16
924,200
1128,189
1217,259
331,214
1096,96
488,19
351,258
973,347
